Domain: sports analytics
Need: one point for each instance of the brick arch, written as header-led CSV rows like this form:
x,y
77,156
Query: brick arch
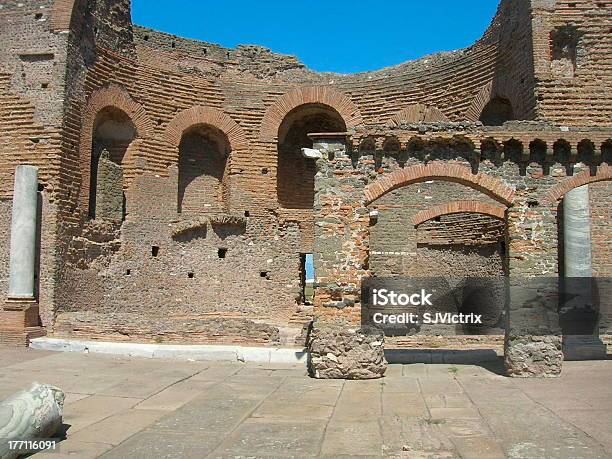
x,y
438,170
484,96
109,96
479,102
276,113
418,113
584,178
459,207
205,115
117,97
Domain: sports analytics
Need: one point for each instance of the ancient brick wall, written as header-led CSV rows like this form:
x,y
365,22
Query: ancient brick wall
x,y
70,61
5,238
531,191
600,196
32,65
572,52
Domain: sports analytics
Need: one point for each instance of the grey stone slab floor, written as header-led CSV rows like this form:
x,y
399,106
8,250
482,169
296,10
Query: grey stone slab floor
x,y
120,407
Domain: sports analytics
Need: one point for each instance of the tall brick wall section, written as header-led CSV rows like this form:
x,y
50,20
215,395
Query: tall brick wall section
x,y
33,60
600,195
578,91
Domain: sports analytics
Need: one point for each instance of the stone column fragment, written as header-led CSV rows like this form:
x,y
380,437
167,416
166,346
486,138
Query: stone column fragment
x,y
32,414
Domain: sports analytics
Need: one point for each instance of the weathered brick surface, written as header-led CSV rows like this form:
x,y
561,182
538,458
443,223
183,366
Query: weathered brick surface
x,y
72,69
600,195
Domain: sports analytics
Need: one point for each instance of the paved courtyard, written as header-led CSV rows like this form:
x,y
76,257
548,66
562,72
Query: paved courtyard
x,y
119,407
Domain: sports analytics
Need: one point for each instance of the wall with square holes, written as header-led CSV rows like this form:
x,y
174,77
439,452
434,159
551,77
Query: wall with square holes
x,y
57,56
159,264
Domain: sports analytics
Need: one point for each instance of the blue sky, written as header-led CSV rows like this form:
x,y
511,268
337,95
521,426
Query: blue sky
x,y
343,36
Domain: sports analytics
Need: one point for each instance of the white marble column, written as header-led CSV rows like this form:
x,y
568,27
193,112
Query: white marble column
x,y
23,234
577,233
578,274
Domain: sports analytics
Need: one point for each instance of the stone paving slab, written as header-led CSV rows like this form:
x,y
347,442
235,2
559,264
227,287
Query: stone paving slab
x,y
93,409
344,438
120,407
300,438
115,429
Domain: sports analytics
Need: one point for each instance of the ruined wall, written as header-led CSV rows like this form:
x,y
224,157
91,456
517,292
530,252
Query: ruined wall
x,y
32,65
162,266
68,61
168,75
530,187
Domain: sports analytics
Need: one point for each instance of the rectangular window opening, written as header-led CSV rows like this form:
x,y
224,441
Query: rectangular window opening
x,y
306,278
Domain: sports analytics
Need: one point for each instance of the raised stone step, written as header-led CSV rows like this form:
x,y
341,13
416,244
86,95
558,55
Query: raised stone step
x,y
584,347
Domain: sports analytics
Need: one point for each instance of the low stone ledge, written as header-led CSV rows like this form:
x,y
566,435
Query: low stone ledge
x,y
183,227
345,352
193,352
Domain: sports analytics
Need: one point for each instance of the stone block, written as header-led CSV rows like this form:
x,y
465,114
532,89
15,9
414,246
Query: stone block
x,y
109,193
578,347
311,153
339,351
533,356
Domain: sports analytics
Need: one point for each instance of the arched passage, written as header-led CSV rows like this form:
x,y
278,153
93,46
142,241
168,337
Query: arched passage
x,y
468,250
203,160
205,140
295,174
497,112
459,245
583,216
113,132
